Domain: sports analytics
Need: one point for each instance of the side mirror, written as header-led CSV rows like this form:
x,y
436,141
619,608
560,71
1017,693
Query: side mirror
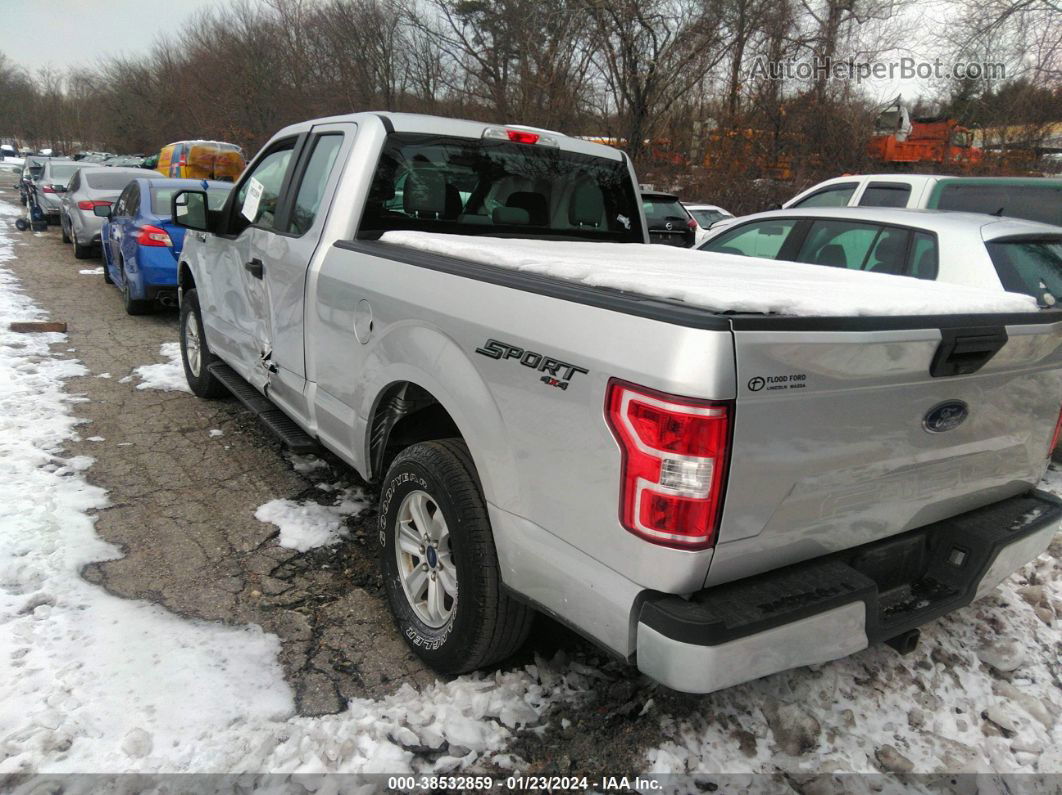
x,y
189,209
102,210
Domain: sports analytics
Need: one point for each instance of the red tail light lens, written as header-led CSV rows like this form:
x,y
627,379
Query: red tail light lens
x,y
522,137
91,205
153,236
692,224
1057,433
675,454
47,189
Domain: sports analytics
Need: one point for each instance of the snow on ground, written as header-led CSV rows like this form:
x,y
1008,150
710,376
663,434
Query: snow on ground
x,y
92,271
982,693
168,375
93,683
306,524
720,282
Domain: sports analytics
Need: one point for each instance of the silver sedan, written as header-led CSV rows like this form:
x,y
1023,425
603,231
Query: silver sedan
x,y
91,187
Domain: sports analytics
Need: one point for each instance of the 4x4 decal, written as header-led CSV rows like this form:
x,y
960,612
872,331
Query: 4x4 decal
x,y
556,372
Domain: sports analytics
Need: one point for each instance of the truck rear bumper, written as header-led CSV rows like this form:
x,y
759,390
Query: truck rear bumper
x,y
831,607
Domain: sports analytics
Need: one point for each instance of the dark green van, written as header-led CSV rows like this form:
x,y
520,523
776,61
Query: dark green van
x,y
1032,198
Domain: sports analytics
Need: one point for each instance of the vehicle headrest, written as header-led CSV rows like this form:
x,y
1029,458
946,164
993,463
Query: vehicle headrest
x,y
424,192
587,205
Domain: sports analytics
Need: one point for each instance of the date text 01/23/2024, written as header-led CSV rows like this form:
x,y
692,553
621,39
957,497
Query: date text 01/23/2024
x,y
520,783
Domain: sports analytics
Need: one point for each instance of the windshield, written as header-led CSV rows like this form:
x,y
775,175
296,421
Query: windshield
x,y
663,209
62,172
161,197
469,186
110,180
707,217
1033,267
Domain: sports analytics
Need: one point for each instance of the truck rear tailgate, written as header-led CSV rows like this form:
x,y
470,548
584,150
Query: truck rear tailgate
x,y
843,435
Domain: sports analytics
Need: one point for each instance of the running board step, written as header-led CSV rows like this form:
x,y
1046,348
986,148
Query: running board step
x,y
287,430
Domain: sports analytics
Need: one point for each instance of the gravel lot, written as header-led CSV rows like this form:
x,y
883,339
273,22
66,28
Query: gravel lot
x,y
185,477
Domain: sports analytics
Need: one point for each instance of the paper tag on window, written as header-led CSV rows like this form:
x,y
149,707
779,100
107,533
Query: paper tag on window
x,y
254,196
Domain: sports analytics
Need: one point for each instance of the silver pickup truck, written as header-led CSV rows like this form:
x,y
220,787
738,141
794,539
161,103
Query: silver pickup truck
x,y
713,496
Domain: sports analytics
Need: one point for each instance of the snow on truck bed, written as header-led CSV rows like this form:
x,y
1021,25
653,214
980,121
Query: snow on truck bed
x,y
720,282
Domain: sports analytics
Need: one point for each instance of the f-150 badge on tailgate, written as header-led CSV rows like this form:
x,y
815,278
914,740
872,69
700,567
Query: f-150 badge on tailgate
x,y
945,416
555,372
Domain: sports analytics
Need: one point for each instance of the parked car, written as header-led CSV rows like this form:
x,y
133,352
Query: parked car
x,y
715,479
217,160
140,242
32,167
92,186
706,216
1031,198
51,185
959,248
669,222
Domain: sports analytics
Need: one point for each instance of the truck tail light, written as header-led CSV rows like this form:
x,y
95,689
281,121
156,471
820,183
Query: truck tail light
x,y
519,136
675,455
47,189
153,236
1056,434
91,204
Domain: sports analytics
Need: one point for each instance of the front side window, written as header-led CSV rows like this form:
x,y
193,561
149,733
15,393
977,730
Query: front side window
x,y
833,196
760,239
1033,267
314,179
487,186
270,172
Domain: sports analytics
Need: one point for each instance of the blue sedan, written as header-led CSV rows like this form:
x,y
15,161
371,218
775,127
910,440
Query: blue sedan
x,y
141,244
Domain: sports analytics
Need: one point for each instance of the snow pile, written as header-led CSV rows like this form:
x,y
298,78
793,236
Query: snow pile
x,y
92,271
306,525
93,683
720,282
168,375
982,694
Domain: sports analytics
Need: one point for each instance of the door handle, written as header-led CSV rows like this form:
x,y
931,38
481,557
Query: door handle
x,y
254,267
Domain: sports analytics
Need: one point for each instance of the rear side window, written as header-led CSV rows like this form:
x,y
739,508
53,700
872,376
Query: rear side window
x,y
489,186
760,239
833,196
885,194
314,179
1030,201
840,244
925,262
1033,267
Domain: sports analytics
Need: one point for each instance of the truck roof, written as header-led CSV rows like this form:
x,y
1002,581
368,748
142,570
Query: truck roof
x,y
460,128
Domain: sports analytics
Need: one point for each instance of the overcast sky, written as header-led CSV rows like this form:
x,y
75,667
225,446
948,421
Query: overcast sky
x,y
62,33
71,33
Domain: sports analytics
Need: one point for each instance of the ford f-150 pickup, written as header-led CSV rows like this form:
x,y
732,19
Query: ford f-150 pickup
x,y
715,469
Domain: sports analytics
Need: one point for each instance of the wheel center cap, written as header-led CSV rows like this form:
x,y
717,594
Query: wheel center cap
x,y
433,557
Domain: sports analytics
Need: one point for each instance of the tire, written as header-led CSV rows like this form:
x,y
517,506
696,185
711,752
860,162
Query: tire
x,y
66,235
82,252
132,305
201,381
451,635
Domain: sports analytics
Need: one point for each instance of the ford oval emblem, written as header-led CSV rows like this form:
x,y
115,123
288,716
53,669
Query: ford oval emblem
x,y
946,416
